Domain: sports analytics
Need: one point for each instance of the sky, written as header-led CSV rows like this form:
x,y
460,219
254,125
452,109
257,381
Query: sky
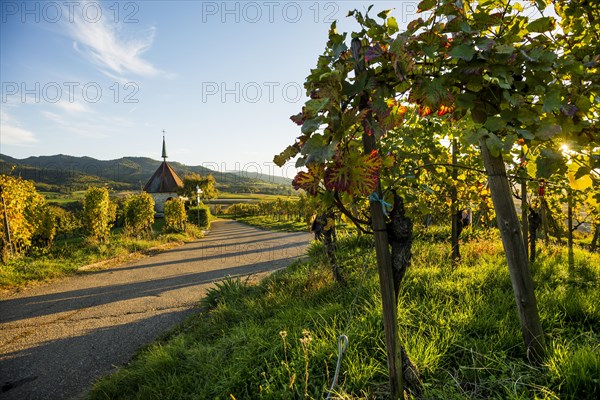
x,y
105,78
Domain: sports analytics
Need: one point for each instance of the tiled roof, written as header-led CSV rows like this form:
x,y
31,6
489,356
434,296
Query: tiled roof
x,y
164,180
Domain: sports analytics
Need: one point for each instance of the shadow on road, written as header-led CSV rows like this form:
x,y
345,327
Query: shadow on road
x,y
242,253
86,325
42,373
35,306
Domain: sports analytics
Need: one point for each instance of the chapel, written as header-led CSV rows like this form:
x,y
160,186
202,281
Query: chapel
x,y
164,183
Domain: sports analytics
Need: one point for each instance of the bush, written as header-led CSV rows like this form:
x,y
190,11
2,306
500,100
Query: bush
x,y
46,226
98,213
120,203
25,212
67,222
204,220
243,210
175,215
138,214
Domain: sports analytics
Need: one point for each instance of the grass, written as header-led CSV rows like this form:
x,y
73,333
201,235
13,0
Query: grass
x,y
283,225
253,196
278,339
272,224
62,198
68,256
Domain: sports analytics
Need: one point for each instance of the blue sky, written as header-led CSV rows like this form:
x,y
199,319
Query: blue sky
x,y
104,78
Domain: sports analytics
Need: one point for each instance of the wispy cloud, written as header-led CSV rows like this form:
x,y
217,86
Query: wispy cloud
x,y
12,133
72,107
106,45
103,127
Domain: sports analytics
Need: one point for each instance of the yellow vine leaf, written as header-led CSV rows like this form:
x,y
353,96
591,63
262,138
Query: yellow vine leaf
x,y
579,184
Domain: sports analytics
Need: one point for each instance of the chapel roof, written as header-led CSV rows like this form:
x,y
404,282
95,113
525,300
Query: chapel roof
x,y
164,179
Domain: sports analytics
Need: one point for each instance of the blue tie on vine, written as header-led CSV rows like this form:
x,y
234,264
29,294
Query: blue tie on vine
x,y
374,198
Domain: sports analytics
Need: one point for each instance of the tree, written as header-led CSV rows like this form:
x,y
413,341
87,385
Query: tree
x,y
484,67
139,214
24,214
205,183
344,165
489,65
46,223
67,222
99,213
175,215
579,108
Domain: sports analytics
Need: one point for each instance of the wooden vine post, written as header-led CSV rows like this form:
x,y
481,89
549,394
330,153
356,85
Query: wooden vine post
x,y
384,260
570,228
543,211
454,206
524,212
516,256
6,225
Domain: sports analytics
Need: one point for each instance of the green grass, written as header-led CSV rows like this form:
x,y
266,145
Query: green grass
x,y
67,256
254,196
62,198
283,225
278,339
272,224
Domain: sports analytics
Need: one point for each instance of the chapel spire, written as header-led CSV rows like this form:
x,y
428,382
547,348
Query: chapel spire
x,y
164,148
165,179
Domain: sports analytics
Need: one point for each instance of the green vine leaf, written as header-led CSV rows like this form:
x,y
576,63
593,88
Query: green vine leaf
x,y
311,125
426,5
318,150
463,51
495,124
494,144
552,102
285,155
505,49
541,25
547,131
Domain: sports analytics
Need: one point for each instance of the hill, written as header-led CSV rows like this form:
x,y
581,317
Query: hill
x,y
64,173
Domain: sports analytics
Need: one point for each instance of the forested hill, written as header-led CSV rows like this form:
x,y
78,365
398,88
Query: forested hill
x,y
67,173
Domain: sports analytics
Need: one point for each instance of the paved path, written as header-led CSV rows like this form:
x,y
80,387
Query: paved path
x,y
56,339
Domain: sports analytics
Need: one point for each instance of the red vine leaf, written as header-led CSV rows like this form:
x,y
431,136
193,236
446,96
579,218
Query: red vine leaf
x,y
309,181
394,115
298,119
424,111
373,52
443,110
356,175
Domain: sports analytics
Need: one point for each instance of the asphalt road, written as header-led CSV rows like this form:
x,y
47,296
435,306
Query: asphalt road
x,y
57,339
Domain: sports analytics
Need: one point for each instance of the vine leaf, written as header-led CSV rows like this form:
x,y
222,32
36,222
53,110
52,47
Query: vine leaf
x,y
318,150
540,25
285,155
309,181
463,51
426,5
372,53
443,110
546,131
495,123
552,101
311,125
298,119
582,183
356,174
